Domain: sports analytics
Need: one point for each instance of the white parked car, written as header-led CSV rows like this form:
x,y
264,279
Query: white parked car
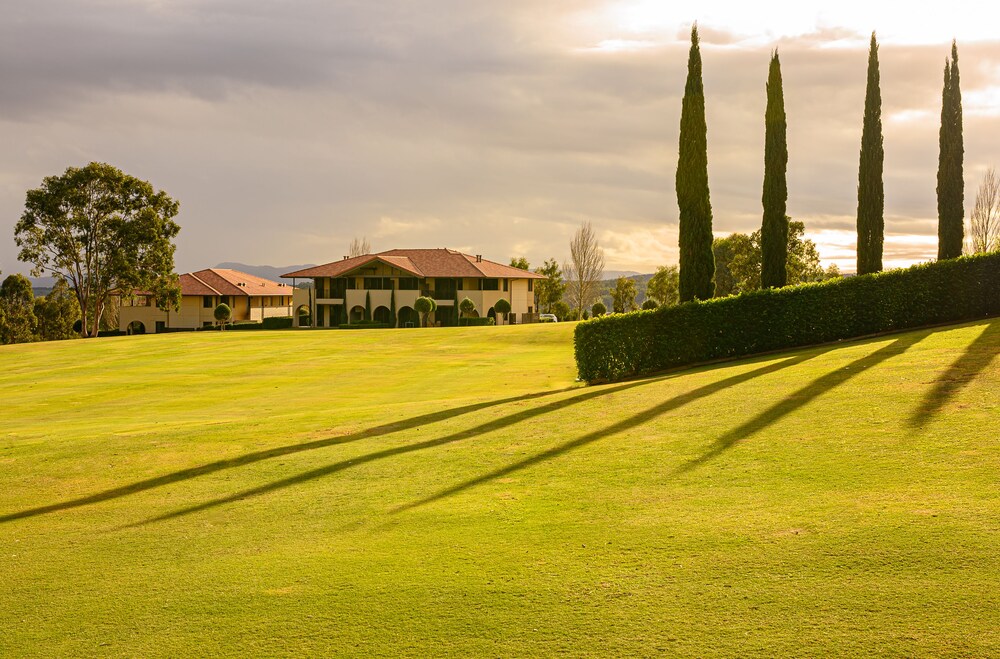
x,y
547,318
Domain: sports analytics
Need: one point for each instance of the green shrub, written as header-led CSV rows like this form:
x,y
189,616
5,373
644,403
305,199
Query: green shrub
x,y
277,322
247,325
366,324
475,322
614,347
649,303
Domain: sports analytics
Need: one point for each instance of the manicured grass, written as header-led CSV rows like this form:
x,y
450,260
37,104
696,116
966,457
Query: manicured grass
x,y
454,492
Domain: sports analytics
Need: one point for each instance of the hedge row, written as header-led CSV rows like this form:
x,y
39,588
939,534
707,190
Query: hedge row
x,y
365,324
622,345
277,322
475,322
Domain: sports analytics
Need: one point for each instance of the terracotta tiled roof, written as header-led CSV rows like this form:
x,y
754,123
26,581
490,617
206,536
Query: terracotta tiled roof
x,y
234,282
423,263
219,281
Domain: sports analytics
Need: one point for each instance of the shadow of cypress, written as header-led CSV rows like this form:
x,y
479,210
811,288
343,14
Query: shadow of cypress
x,y
343,465
804,395
259,456
978,356
626,424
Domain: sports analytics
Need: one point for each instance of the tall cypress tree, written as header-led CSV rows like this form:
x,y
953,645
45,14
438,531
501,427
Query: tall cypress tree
x,y
697,263
871,194
950,178
774,229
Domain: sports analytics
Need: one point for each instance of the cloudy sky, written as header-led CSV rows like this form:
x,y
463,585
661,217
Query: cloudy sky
x,y
285,128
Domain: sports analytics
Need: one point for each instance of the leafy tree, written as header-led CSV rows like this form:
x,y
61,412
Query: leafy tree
x,y
663,286
360,247
585,268
598,309
223,314
392,308
101,230
17,301
586,314
774,228
871,193
550,290
649,303
739,260
561,310
950,179
571,315
56,313
520,263
467,307
502,307
697,264
423,306
368,306
623,295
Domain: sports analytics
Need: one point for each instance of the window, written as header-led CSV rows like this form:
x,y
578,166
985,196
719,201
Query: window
x,y
321,288
351,283
490,284
530,285
504,285
408,283
378,283
206,302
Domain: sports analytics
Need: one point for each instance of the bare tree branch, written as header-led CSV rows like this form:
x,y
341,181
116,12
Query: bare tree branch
x,y
984,229
360,247
586,268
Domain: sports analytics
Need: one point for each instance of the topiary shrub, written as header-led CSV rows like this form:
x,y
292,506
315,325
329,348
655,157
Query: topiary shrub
x,y
618,346
649,303
598,309
223,314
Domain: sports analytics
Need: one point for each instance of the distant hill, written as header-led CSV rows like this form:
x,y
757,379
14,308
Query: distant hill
x,y
266,271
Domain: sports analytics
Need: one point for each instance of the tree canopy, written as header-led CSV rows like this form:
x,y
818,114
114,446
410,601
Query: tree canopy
x,y
738,258
664,286
871,191
101,230
550,290
697,266
520,263
623,295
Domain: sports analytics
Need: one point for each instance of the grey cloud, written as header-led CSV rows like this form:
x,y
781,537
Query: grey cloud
x,y
286,129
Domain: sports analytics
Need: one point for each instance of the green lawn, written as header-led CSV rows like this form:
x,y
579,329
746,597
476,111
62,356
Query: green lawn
x,y
453,492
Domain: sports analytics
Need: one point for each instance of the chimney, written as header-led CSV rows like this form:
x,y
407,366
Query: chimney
x,y
345,257
479,258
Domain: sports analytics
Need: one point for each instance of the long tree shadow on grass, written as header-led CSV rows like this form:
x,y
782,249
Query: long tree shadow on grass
x,y
626,424
481,429
277,452
804,395
978,356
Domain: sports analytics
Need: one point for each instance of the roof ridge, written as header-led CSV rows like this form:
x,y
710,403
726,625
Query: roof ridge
x,y
213,288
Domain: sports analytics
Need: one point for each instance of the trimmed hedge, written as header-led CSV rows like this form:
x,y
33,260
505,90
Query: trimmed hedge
x,y
245,325
475,322
366,324
623,345
277,322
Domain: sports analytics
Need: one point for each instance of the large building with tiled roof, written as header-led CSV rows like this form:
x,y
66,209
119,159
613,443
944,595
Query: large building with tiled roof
x,y
390,282
250,298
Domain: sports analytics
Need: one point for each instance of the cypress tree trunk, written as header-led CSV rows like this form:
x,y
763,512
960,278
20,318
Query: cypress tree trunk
x,y
697,263
871,194
951,181
774,229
